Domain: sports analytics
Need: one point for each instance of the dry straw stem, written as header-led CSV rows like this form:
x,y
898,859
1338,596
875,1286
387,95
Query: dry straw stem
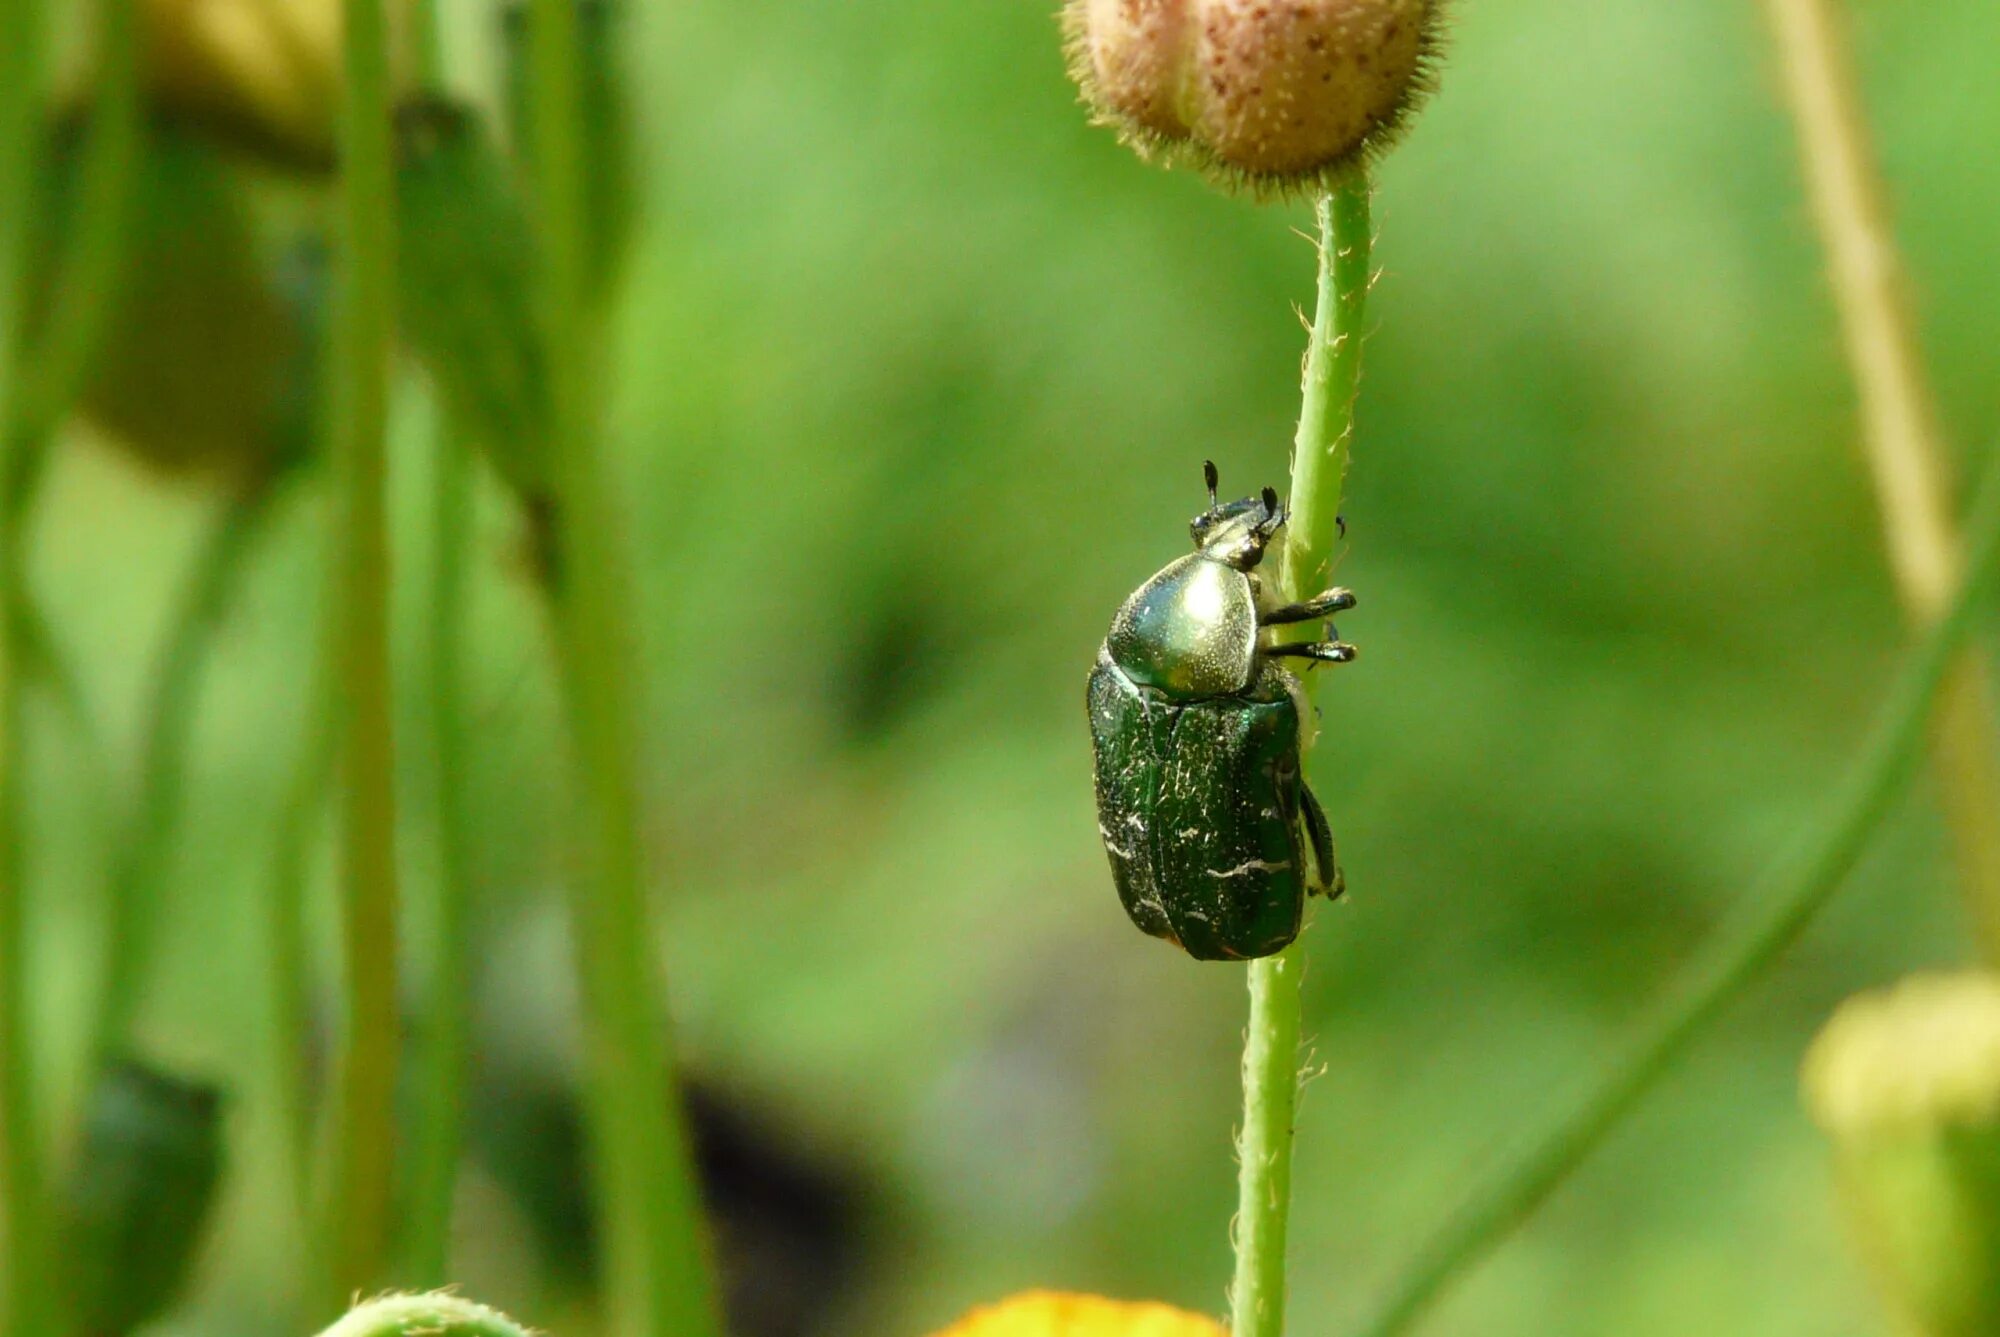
x,y
1271,98
1905,450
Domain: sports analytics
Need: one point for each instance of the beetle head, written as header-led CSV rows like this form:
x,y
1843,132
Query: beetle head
x,y
1236,533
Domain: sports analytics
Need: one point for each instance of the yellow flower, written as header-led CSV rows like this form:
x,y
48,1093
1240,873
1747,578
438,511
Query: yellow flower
x,y
1053,1314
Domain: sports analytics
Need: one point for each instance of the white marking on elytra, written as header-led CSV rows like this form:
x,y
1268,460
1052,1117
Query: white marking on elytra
x,y
1248,867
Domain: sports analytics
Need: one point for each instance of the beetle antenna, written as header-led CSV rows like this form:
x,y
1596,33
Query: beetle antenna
x,y
1212,478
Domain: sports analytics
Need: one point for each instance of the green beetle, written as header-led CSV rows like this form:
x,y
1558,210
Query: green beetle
x,y
1195,726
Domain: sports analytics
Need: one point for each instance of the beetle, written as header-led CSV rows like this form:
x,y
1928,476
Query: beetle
x,y
1195,731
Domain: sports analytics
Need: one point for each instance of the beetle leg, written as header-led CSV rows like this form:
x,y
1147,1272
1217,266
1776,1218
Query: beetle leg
x,y
1329,651
1335,600
1332,881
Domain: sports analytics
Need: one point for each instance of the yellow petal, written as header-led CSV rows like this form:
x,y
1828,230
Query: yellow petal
x,y
1054,1314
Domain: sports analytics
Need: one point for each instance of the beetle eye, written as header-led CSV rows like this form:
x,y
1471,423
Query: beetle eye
x,y
1270,503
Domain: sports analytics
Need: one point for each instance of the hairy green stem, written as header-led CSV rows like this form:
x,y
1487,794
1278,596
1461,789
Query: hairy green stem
x,y
1319,471
1906,451
1783,902
364,1129
140,863
424,1316
656,1277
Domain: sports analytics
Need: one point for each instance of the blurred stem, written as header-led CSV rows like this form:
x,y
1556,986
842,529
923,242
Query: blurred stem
x,y
363,1135
88,279
36,384
1319,471
426,44
139,864
424,1316
655,1259
440,1133
1905,450
1755,934
24,1223
289,959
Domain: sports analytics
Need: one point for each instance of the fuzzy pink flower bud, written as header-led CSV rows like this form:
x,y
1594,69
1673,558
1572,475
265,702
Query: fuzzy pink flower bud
x,y
1274,94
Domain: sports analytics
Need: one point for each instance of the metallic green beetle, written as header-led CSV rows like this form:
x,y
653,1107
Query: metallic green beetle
x,y
1195,726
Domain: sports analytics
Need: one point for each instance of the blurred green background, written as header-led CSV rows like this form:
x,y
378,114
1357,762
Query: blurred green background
x,y
914,372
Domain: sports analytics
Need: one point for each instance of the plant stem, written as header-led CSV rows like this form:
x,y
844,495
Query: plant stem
x,y
426,35
440,1132
22,48
424,1316
290,1042
656,1276
1905,450
139,865
364,1131
439,1136
36,384
1783,902
24,1224
1325,440
1319,471
92,263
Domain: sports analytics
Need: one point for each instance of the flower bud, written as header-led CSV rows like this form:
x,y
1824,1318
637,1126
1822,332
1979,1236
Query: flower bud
x,y
207,358
1277,94
139,1198
1053,1314
1907,1084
